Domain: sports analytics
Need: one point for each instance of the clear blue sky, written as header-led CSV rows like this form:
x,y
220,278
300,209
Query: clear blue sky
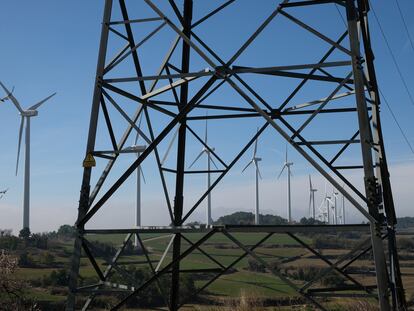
x,y
50,46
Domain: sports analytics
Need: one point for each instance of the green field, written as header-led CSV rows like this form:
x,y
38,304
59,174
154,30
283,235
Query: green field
x,y
279,251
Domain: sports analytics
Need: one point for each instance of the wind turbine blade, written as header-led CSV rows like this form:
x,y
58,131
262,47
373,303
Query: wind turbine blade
x,y
169,147
206,130
19,143
142,174
198,157
280,174
310,183
321,207
258,170
255,148
136,139
12,98
139,126
214,163
248,164
35,106
286,155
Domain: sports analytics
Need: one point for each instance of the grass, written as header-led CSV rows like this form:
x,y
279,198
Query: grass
x,y
261,285
241,283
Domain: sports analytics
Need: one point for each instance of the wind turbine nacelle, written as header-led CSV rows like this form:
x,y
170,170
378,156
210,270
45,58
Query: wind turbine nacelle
x,y
29,113
138,148
258,159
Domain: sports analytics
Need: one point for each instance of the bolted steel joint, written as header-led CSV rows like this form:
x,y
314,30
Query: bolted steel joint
x,y
359,61
373,190
222,72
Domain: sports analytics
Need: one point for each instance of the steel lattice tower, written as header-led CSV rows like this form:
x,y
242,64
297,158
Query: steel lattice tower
x,y
184,91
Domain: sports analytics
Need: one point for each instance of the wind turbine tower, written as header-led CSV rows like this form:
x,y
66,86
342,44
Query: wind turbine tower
x,y
287,165
335,194
255,160
138,149
25,118
325,206
312,191
207,151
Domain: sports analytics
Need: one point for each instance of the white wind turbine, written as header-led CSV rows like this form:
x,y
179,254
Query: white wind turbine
x,y
312,212
325,206
343,210
207,152
255,160
341,215
287,165
335,194
25,117
3,192
138,149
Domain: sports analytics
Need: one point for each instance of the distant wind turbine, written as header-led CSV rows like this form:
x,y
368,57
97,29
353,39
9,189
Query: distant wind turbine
x,y
138,149
341,215
167,152
207,152
25,117
255,160
312,191
325,206
287,165
3,192
335,197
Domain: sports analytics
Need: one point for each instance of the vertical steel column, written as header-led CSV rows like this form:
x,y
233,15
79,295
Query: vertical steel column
x,y
179,190
371,185
85,188
399,302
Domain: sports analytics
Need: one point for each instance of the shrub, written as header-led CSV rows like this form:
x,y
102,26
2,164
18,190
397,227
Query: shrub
x,y
333,280
66,231
56,278
306,273
255,266
9,242
47,259
25,260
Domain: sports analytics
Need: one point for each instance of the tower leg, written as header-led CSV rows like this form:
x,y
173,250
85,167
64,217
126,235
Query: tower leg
x,y
179,190
138,207
366,143
85,189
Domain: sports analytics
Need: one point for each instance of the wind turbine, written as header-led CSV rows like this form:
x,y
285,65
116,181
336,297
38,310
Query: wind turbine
x,y
255,160
287,165
312,199
341,215
207,152
138,149
3,192
325,206
343,210
25,117
335,196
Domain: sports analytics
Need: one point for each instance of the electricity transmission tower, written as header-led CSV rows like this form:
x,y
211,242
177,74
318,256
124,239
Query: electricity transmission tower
x,y
176,94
